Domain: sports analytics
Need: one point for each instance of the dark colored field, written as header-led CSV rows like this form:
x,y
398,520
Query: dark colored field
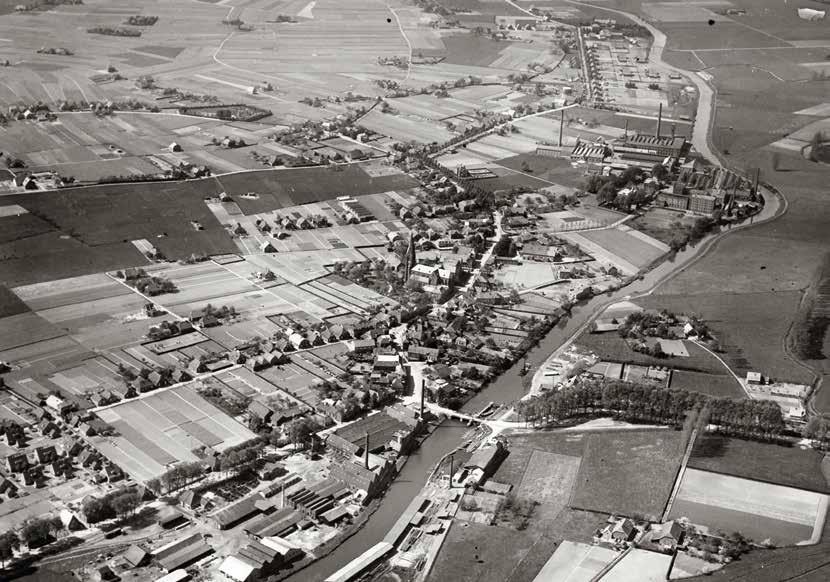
x,y
782,465
14,228
628,472
724,35
802,563
281,188
756,527
114,213
508,180
547,168
480,553
10,304
472,50
610,346
719,385
480,6
78,231
48,256
25,328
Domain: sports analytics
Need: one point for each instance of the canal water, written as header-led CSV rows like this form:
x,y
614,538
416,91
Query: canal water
x,y
507,388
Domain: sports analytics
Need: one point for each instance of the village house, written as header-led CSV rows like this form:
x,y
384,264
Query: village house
x,y
668,535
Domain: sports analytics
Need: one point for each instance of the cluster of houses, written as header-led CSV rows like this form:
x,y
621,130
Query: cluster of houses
x,y
54,459
622,532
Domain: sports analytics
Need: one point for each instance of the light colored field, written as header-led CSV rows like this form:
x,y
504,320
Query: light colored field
x,y
599,252
630,247
752,497
683,12
94,374
640,566
165,427
549,478
12,210
674,348
575,562
820,110
527,275
406,129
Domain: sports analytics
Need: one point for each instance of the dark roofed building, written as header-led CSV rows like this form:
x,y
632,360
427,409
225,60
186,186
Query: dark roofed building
x,y
235,514
136,556
384,431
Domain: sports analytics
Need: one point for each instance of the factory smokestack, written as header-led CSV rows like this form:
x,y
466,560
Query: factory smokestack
x,y
452,468
755,185
659,119
366,451
422,397
625,134
561,125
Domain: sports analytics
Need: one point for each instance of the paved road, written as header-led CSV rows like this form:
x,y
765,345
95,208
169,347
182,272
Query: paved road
x,y
706,95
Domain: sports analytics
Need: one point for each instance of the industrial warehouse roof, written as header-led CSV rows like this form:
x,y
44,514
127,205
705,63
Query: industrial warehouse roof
x,y
356,566
380,427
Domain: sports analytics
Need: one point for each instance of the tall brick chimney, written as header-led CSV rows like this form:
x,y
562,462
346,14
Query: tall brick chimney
x,y
659,119
366,451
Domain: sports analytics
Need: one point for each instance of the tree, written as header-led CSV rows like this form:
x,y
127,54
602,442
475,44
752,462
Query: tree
x,y
8,543
659,172
97,510
301,431
38,531
126,503
606,194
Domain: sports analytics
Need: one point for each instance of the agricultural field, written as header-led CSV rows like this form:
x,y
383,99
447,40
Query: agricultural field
x,y
789,466
611,347
556,170
181,421
281,188
760,511
576,561
630,472
718,385
89,147
622,247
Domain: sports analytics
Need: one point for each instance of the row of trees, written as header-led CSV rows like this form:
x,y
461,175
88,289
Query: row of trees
x,y
754,419
177,477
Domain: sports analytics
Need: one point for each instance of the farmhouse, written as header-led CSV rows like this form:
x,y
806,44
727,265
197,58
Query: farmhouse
x,y
667,535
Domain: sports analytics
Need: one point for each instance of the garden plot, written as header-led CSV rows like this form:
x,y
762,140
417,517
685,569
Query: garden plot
x,y
93,375
760,511
166,427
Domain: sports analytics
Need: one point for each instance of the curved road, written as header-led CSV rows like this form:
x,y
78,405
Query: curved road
x,y
706,95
